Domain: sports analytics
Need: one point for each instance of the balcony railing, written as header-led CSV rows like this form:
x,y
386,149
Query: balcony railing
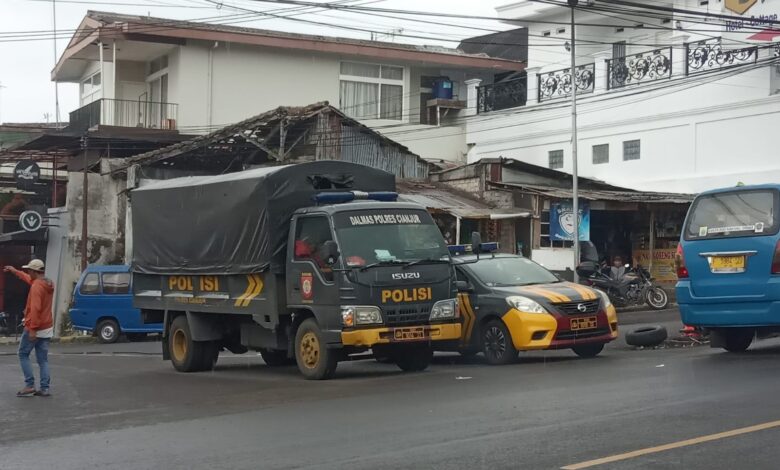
x,y
125,113
639,68
559,83
502,95
709,55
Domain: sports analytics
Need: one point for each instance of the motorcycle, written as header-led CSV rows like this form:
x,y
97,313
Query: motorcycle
x,y
634,287
9,324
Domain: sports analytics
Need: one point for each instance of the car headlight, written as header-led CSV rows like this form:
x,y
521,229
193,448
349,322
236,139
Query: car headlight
x,y
360,315
524,304
605,298
444,310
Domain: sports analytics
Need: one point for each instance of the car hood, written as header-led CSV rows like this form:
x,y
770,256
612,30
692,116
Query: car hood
x,y
559,292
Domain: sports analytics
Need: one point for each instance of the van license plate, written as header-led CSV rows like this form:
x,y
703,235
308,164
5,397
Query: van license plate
x,y
409,334
583,323
727,264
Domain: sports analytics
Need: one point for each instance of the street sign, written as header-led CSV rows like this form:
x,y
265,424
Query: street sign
x,y
27,173
31,221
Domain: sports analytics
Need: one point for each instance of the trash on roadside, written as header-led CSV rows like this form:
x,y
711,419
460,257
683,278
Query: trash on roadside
x,y
463,378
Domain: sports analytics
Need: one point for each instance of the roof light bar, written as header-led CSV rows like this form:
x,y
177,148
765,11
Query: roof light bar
x,y
349,196
489,247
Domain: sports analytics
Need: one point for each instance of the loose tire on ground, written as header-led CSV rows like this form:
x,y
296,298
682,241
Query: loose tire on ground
x,y
276,358
647,336
588,350
497,343
108,331
737,340
188,355
413,358
315,360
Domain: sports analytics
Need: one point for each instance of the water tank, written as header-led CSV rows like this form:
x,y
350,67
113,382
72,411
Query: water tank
x,y
442,89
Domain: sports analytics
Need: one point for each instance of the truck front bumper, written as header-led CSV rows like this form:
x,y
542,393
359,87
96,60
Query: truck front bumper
x,y
407,334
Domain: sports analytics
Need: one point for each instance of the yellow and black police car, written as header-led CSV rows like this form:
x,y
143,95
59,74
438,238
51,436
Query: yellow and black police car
x,y
509,303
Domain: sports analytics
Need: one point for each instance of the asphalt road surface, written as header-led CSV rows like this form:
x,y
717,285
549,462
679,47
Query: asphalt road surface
x,y
122,407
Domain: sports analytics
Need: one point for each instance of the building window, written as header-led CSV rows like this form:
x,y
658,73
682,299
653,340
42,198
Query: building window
x,y
631,150
544,234
556,159
600,154
371,91
90,88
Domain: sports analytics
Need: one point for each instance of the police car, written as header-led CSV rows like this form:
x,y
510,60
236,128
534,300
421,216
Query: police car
x,y
509,303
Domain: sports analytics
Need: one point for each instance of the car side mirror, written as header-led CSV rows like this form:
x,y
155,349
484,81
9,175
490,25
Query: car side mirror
x,y
476,242
464,286
330,252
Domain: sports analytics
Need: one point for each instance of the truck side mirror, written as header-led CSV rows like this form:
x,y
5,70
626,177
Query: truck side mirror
x,y
330,252
476,242
464,286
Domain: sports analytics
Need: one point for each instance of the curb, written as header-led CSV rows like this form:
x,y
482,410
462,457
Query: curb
x,y
61,340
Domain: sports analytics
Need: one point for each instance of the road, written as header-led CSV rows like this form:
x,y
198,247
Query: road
x,y
121,407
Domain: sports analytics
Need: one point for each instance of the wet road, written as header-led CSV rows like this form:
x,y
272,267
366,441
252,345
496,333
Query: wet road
x,y
120,406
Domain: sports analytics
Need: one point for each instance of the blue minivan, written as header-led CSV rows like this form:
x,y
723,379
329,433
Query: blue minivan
x,y
728,265
103,305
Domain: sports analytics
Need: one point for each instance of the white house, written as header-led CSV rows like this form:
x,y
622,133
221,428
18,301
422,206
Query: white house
x,y
138,71
667,102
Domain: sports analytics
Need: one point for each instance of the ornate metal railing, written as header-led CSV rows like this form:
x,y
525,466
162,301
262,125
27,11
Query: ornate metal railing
x,y
639,68
777,49
709,54
559,83
502,95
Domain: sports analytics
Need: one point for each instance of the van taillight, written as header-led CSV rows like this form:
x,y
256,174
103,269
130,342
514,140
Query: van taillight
x,y
679,262
776,260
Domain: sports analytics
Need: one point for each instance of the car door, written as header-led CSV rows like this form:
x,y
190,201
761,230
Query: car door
x,y
469,309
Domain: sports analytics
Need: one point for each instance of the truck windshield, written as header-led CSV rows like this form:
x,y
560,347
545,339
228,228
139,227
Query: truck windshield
x,y
733,214
388,236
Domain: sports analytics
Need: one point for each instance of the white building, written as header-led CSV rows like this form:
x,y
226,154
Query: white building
x,y
137,71
667,102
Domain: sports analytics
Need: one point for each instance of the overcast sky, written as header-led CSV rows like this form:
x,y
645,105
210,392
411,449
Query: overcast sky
x,y
28,93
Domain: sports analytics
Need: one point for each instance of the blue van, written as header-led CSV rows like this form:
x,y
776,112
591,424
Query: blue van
x,y
103,305
728,265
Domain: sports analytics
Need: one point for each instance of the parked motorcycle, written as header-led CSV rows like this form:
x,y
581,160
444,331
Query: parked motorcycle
x,y
635,287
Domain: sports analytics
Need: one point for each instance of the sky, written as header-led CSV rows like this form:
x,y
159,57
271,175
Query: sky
x,y
27,92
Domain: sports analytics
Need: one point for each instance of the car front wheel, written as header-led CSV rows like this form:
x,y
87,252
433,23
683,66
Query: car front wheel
x,y
497,343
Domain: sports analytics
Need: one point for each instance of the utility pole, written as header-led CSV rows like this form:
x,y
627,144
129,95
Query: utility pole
x,y
575,206
84,208
56,84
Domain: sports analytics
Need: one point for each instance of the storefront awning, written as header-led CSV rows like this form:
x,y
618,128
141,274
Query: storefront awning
x,y
647,197
446,200
23,237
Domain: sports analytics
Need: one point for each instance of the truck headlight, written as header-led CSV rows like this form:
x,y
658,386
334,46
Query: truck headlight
x,y
524,304
354,315
444,310
604,297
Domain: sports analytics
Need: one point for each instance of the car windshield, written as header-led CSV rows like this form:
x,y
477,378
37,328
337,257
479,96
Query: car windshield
x,y
733,214
388,236
511,271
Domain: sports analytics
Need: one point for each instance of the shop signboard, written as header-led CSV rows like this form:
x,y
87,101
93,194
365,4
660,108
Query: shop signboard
x,y
27,173
750,16
562,221
663,269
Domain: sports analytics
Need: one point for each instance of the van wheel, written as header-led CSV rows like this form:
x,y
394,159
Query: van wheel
x,y
497,343
276,358
188,355
413,358
738,340
108,331
315,360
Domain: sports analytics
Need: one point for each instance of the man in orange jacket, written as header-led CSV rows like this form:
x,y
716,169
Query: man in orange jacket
x,y
38,327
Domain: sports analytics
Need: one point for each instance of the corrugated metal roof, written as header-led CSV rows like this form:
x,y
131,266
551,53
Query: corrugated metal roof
x,y
605,194
447,200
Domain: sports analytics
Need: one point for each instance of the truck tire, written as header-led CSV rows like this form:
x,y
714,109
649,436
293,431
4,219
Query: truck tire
x,y
276,358
108,331
588,350
497,343
737,340
647,336
315,360
413,358
188,355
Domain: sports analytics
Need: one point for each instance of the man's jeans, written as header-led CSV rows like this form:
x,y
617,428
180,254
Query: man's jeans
x,y
41,346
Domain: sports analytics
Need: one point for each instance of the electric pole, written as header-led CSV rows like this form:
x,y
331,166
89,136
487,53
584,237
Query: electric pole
x,y
575,206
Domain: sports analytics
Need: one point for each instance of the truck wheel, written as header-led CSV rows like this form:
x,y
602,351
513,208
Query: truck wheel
x,y
588,350
738,340
497,343
276,358
315,360
188,355
108,331
413,358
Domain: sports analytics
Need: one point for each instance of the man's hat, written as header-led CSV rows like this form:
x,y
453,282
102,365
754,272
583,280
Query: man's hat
x,y
35,265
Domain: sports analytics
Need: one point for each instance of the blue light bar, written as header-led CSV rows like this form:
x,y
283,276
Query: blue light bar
x,y
489,247
334,198
456,250
384,196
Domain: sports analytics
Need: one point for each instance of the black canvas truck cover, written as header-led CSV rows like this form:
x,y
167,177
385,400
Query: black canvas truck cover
x,y
235,223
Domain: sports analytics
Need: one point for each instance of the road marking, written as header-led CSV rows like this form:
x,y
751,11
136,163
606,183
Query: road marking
x,y
673,445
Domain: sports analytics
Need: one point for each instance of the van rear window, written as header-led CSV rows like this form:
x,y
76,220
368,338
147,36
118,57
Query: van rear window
x,y
734,214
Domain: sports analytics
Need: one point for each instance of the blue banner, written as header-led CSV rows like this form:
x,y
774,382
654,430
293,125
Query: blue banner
x,y
562,221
